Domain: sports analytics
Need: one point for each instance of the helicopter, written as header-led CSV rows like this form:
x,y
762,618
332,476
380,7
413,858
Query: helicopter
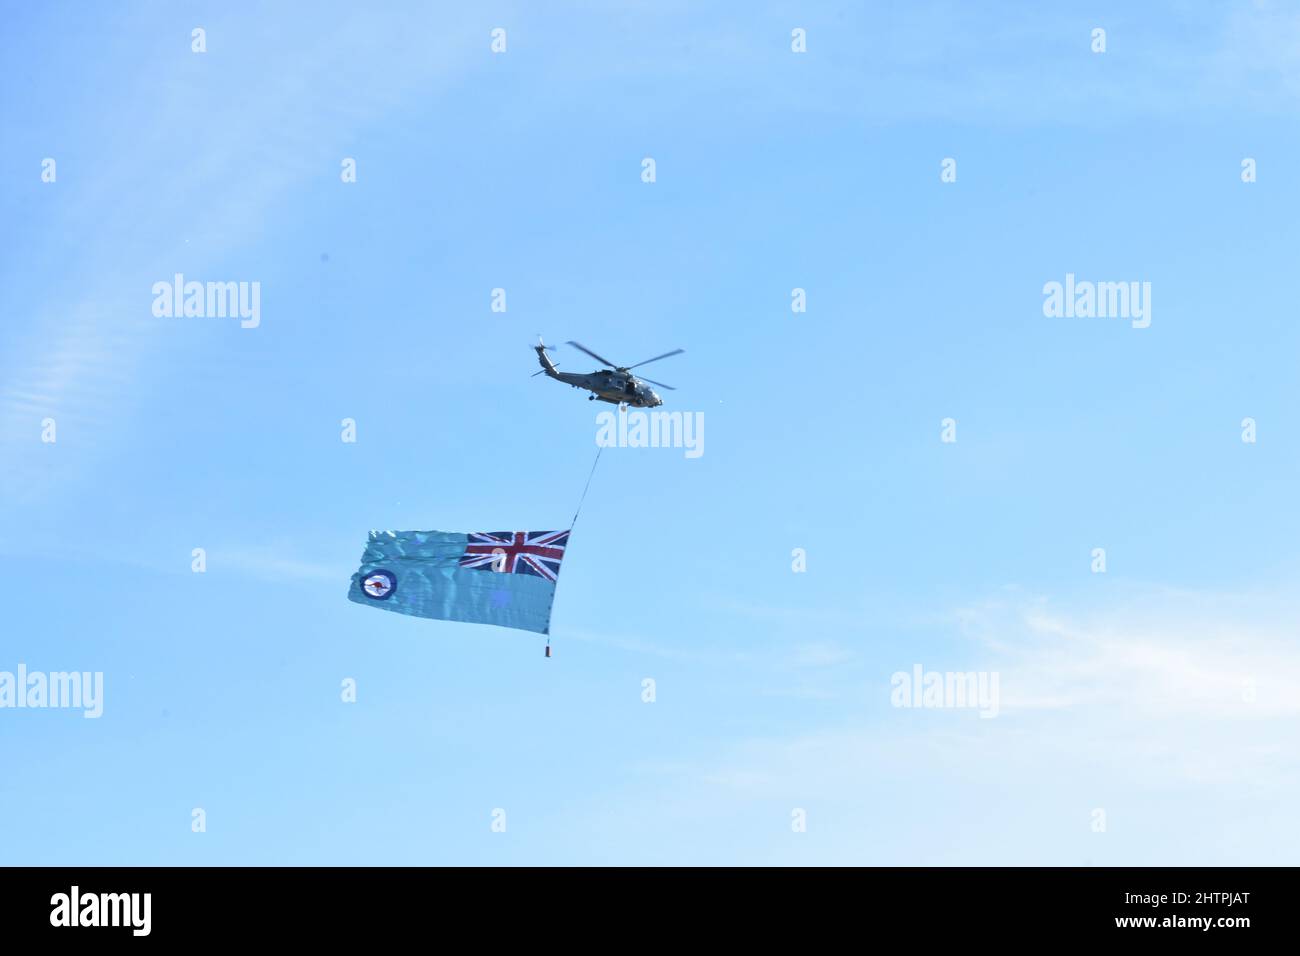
x,y
617,385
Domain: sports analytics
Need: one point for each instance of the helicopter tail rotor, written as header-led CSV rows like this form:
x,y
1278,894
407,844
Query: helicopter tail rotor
x,y
548,367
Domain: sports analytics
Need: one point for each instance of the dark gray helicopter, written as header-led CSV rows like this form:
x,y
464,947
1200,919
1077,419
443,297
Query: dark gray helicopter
x,y
618,385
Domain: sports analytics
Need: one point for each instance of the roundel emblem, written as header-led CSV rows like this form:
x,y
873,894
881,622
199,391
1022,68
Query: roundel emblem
x,y
379,584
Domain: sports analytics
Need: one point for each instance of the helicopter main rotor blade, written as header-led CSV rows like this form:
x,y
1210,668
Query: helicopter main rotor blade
x,y
581,347
657,358
660,384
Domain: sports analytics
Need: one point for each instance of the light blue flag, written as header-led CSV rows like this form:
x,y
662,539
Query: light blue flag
x,y
494,577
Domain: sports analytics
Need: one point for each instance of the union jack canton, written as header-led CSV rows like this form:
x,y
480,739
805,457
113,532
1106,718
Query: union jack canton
x,y
516,552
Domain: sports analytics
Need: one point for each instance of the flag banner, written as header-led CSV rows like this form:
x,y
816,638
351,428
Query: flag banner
x,y
505,578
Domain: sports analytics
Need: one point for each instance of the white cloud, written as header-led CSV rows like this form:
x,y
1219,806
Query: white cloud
x,y
275,564
86,355
821,654
1179,656
1138,710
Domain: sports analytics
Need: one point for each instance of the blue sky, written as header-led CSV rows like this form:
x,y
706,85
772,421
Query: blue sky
x,y
1162,692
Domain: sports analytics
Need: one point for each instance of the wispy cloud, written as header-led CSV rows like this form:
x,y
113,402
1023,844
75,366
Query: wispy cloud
x,y
273,564
820,654
85,356
638,645
1199,657
1171,708
802,692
